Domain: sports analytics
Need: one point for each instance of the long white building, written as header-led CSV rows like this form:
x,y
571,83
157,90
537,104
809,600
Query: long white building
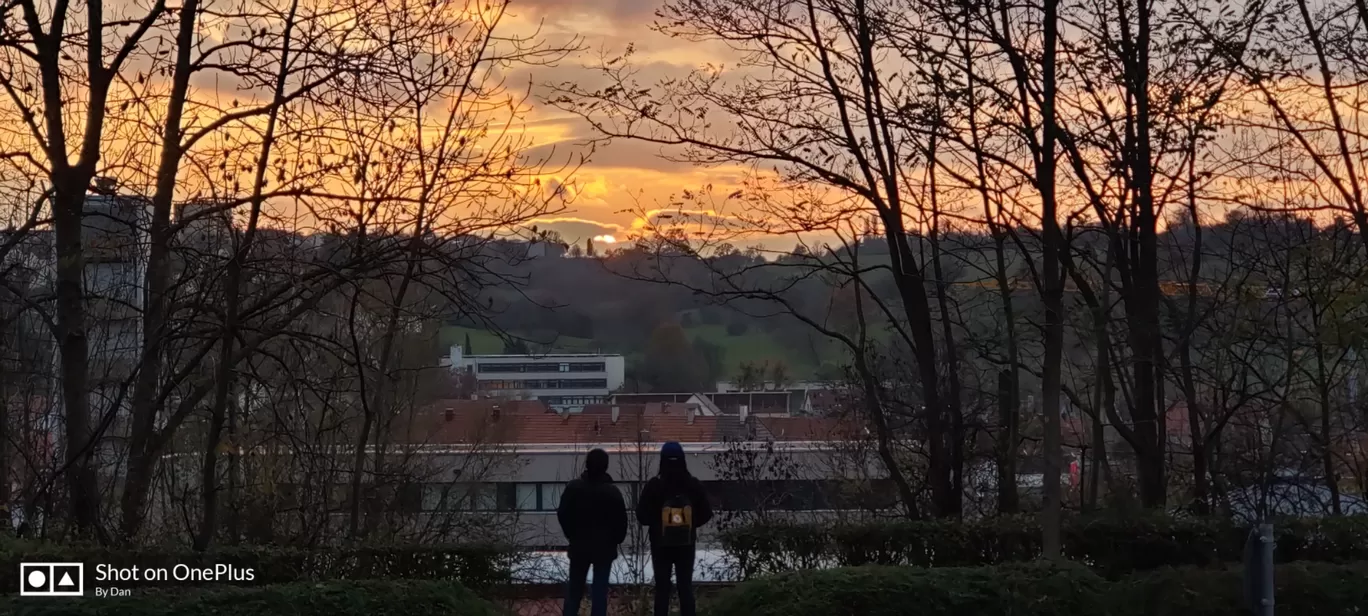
x,y
563,382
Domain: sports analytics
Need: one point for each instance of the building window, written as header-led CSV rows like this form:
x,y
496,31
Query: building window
x,y
551,495
517,367
481,497
525,497
584,383
433,493
572,400
460,497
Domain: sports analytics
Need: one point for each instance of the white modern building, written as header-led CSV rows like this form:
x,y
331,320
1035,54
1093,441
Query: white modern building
x,y
495,457
563,382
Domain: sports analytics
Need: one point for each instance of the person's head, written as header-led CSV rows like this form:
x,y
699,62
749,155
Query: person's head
x,y
672,463
596,463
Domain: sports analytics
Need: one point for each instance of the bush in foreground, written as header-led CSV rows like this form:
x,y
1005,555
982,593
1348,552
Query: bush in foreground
x,y
1038,590
1110,546
362,598
1019,590
1321,589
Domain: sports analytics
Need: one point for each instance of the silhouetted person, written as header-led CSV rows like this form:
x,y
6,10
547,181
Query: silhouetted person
x,y
594,520
673,504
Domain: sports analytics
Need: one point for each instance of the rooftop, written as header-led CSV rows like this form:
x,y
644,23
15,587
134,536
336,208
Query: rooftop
x,y
529,422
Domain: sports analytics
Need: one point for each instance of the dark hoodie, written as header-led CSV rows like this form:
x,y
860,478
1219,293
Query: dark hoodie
x,y
674,478
593,516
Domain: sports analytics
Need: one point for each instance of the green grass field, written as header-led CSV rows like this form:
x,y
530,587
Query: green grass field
x,y
754,346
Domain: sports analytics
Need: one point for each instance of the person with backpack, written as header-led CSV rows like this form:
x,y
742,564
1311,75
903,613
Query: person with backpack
x,y
673,505
593,517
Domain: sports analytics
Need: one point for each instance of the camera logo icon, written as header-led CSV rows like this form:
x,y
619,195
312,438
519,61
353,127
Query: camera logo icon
x,y
51,579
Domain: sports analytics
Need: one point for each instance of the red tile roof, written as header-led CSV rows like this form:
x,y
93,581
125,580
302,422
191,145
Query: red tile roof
x,y
440,428
808,428
448,422
633,426
524,424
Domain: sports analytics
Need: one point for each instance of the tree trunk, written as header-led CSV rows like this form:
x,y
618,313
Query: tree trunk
x,y
1147,337
1007,441
884,439
233,288
952,393
1008,496
1326,437
1052,291
1105,395
144,404
73,344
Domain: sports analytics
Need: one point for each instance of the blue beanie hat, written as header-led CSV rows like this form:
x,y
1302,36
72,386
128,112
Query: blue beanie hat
x,y
672,450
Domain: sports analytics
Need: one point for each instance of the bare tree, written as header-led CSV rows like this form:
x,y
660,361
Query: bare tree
x,y
819,106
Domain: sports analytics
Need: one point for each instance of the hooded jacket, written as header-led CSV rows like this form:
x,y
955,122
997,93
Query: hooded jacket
x,y
674,477
593,517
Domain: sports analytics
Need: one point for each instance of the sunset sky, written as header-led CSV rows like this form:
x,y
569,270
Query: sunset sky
x,y
622,176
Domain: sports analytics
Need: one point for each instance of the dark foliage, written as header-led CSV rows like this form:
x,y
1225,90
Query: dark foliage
x,y
1110,546
1027,589
1019,590
1322,589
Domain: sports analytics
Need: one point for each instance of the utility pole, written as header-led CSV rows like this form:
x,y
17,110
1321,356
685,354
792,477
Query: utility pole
x,y
1258,570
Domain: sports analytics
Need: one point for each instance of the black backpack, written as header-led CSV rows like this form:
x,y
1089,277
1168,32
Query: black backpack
x,y
676,521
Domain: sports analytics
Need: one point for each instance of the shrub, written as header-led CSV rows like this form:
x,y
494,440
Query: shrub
x,y
363,598
1323,589
476,566
1117,546
1019,590
1111,546
737,328
775,548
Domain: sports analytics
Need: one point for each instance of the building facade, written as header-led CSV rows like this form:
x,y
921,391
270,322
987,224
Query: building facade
x,y
793,467
563,382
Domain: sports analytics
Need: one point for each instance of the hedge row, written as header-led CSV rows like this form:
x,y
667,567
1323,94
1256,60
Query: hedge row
x,y
1112,547
357,598
476,566
1321,589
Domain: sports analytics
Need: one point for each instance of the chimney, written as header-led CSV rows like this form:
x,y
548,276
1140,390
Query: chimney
x,y
693,410
617,412
450,413
745,412
495,413
598,429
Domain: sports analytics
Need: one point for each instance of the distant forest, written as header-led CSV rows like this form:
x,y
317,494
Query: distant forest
x,y
588,298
